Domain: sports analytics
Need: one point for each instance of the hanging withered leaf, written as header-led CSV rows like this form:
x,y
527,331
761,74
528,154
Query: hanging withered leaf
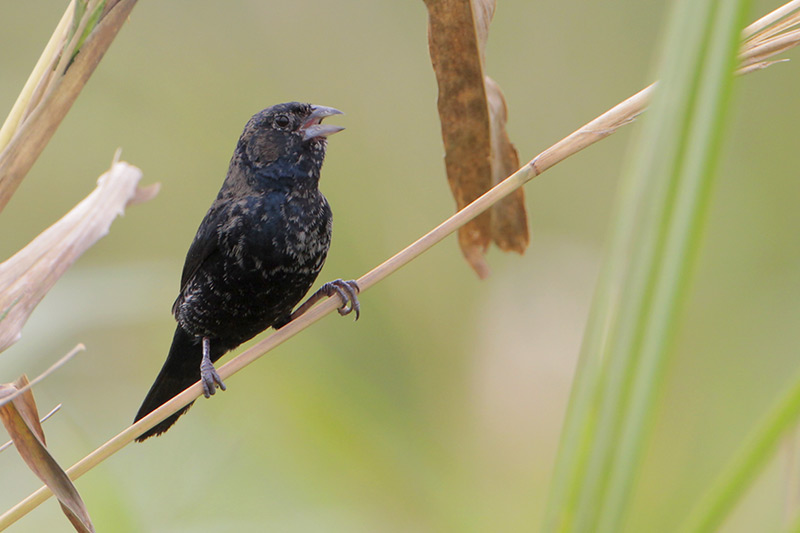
x,y
21,420
472,111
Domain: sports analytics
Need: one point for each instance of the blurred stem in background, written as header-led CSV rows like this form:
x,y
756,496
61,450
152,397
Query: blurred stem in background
x,y
718,501
658,224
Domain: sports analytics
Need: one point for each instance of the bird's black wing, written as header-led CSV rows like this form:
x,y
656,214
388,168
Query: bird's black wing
x,y
204,245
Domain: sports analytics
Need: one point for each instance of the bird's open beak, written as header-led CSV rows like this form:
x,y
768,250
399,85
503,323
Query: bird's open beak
x,y
313,127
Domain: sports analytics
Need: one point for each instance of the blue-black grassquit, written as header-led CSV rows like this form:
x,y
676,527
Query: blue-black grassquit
x,y
257,252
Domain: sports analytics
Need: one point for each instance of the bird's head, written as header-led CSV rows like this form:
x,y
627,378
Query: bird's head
x,y
288,135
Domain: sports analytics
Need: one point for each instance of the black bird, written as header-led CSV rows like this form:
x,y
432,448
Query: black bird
x,y
257,252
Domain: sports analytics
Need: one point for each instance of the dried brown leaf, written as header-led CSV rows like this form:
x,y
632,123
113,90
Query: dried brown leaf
x,y
46,417
27,276
21,420
509,221
35,132
472,111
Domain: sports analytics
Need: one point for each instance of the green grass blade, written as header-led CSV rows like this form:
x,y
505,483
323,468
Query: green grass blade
x,y
579,437
747,463
681,229
658,222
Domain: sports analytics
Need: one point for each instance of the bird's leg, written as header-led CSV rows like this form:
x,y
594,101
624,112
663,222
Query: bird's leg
x,y
346,290
208,374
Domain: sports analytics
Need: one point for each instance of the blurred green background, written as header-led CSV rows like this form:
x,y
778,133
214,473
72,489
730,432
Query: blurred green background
x,y
440,409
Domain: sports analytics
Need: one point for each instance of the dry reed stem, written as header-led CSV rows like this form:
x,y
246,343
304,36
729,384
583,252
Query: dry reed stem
x,y
596,130
29,137
33,86
783,25
771,18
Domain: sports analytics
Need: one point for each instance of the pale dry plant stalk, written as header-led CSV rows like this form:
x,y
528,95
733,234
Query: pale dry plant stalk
x,y
81,38
52,88
38,79
58,77
762,40
77,45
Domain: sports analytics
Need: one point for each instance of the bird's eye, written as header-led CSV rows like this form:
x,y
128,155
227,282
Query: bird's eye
x,y
281,121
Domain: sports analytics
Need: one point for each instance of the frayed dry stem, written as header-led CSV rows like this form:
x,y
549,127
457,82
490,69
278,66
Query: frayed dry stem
x,y
599,128
758,66
770,36
771,19
784,25
773,46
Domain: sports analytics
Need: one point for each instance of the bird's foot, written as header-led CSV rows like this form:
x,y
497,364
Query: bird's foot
x,y
347,291
208,374
210,379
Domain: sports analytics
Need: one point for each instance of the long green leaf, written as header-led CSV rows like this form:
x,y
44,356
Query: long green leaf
x,y
718,502
709,83
658,223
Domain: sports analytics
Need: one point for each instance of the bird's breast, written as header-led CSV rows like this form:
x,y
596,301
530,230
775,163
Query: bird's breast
x,y
308,223
270,235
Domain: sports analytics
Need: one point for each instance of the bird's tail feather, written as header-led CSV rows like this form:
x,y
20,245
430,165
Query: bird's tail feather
x,y
181,370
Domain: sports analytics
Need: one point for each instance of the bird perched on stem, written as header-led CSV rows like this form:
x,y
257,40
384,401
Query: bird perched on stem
x,y
257,252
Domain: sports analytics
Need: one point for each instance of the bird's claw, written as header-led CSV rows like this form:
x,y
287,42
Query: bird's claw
x,y
348,292
210,379
208,374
